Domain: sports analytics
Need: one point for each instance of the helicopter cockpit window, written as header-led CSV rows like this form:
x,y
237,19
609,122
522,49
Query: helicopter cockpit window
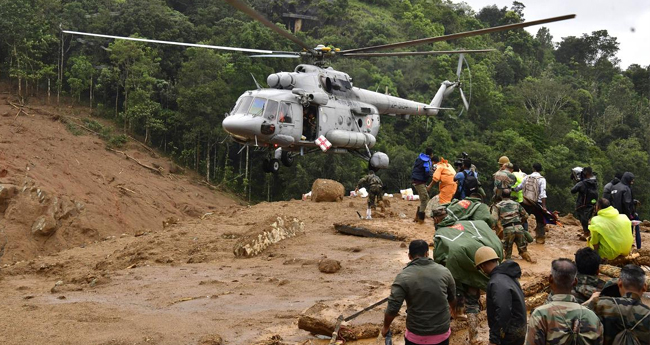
x,y
257,107
242,105
285,113
346,84
271,110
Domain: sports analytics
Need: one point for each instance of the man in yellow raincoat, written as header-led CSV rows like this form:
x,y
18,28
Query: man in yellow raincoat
x,y
610,232
444,174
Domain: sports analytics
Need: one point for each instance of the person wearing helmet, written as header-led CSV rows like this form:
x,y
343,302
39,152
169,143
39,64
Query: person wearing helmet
x,y
506,307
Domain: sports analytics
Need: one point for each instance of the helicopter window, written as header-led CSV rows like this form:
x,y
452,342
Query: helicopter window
x,y
346,84
285,113
257,107
271,110
242,106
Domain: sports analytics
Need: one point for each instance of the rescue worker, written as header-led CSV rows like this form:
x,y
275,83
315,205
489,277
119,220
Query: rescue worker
x,y
421,173
518,196
429,291
623,200
511,216
588,265
506,307
444,175
503,178
533,188
375,189
465,170
587,190
607,190
610,232
455,246
628,311
562,318
471,208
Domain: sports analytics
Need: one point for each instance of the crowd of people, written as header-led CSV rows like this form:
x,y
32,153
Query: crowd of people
x,y
472,252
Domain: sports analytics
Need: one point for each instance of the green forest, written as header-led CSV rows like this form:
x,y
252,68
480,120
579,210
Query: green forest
x,y
561,104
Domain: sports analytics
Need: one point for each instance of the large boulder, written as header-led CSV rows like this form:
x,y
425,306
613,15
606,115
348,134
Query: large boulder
x,y
327,190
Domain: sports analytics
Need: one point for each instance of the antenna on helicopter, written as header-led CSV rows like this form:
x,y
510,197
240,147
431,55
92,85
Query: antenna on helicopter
x,y
256,83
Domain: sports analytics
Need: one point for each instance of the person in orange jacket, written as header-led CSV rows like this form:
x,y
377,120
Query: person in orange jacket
x,y
444,175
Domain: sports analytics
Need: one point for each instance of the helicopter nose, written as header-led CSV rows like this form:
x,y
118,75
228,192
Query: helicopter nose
x,y
242,125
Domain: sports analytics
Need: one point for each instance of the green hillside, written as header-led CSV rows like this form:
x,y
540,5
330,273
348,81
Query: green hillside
x,y
563,105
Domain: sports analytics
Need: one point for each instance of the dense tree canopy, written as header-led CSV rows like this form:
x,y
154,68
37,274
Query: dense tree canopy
x,y
564,105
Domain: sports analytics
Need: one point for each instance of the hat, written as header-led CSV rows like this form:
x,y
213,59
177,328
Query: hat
x,y
504,160
439,211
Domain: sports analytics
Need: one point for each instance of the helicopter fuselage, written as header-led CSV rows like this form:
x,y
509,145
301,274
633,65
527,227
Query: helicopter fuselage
x,y
301,106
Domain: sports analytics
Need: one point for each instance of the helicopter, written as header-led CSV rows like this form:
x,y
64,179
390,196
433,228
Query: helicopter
x,y
316,108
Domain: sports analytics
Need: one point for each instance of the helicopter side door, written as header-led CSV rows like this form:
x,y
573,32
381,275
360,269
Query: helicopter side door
x,y
290,119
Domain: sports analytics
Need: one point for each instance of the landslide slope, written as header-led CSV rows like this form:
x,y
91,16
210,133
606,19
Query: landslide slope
x,y
59,190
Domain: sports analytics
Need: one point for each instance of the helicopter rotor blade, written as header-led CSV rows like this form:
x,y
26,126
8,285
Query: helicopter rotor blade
x,y
284,56
459,35
460,66
462,96
241,6
245,50
435,52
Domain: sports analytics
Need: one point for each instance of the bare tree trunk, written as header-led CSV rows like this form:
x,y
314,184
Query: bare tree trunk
x,y
20,80
207,162
117,97
48,91
91,92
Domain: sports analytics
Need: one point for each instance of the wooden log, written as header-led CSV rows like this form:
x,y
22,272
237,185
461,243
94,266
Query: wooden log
x,y
535,286
615,272
355,230
159,171
347,332
535,301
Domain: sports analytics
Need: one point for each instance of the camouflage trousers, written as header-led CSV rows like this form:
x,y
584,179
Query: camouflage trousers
x,y
468,297
514,234
375,196
424,195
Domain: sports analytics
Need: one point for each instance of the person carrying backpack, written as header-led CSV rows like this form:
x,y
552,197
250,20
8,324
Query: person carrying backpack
x,y
533,188
626,320
562,320
375,189
587,190
421,173
469,176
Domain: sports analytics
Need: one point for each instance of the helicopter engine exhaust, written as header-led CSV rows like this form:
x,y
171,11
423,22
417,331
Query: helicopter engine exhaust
x,y
379,160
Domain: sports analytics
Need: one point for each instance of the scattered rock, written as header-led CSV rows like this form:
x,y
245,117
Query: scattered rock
x,y
403,245
7,192
329,266
283,282
351,204
327,191
56,286
169,222
44,225
210,339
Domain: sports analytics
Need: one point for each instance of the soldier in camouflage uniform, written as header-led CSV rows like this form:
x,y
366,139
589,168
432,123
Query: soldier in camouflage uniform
x,y
563,319
503,179
375,189
588,263
626,312
511,215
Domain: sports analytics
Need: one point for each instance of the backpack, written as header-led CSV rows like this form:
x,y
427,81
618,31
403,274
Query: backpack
x,y
626,336
470,183
591,196
575,338
531,190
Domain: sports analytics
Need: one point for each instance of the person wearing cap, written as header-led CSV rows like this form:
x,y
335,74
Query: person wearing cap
x,y
506,306
511,216
429,291
503,178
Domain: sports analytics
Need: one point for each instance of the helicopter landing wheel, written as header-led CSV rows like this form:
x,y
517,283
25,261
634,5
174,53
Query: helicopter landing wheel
x,y
274,165
287,159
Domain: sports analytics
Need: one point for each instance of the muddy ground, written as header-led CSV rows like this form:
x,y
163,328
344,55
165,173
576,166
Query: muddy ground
x,y
110,273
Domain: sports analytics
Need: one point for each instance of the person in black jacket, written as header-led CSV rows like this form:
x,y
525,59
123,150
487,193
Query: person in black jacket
x,y
506,308
607,190
623,200
587,190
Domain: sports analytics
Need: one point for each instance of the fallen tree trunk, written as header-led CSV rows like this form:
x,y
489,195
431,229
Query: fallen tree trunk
x,y
159,171
535,286
347,332
367,232
535,301
615,272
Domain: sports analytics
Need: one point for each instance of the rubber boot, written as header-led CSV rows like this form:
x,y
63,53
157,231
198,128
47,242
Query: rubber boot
x,y
460,312
473,323
417,216
540,239
421,217
527,257
368,214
